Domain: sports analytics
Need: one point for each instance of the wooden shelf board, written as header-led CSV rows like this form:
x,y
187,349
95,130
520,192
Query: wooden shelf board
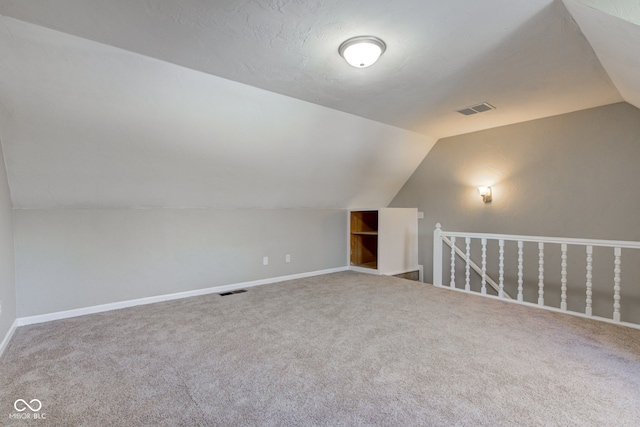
x,y
365,233
373,265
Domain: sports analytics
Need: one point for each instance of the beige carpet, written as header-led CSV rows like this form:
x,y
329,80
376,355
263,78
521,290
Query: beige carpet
x,y
343,349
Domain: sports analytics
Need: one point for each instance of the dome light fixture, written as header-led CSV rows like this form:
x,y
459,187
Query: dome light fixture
x,y
362,51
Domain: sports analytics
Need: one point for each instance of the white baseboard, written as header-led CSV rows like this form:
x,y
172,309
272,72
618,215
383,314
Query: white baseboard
x,y
22,321
7,337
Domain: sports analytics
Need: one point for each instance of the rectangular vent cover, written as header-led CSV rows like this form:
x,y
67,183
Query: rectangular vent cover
x,y
239,291
475,109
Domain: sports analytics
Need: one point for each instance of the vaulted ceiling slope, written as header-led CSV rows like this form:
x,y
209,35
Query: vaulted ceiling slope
x,y
613,29
246,103
89,125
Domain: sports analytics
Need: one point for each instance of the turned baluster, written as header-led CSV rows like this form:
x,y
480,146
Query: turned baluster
x,y
563,265
588,310
501,274
520,268
467,284
616,284
483,289
453,262
540,273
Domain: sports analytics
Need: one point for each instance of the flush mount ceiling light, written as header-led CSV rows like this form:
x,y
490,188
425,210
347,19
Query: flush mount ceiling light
x,y
362,51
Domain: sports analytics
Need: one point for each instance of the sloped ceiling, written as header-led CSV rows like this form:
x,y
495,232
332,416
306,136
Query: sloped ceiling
x,y
613,29
158,103
90,125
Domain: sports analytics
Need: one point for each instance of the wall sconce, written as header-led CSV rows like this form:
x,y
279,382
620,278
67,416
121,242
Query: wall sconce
x,y
485,193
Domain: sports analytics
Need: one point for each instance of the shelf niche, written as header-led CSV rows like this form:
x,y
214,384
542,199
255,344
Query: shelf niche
x,y
364,239
384,240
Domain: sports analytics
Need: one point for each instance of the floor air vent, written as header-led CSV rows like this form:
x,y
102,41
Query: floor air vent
x,y
475,109
239,291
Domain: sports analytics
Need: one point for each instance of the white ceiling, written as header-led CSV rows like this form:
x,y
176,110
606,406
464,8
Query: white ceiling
x,y
615,38
195,103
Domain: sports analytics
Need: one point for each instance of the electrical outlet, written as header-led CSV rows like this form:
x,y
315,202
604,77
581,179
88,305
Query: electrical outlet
x,y
287,258
265,260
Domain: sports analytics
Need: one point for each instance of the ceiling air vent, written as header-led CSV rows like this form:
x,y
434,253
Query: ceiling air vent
x,y
474,109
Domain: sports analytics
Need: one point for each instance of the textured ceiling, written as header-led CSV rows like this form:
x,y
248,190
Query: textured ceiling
x,y
89,125
195,103
526,57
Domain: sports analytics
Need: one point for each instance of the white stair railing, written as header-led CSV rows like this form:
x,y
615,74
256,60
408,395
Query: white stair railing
x,y
449,238
470,264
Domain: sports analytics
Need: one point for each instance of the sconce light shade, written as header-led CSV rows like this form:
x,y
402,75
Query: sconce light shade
x,y
362,51
485,193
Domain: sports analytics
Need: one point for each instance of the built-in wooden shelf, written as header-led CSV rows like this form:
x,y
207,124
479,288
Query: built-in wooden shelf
x,y
384,241
364,239
372,264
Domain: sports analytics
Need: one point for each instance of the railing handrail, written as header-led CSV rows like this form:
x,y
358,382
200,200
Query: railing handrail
x,y
542,239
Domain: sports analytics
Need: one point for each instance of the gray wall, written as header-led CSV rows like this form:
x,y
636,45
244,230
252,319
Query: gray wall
x,y
7,275
68,259
574,175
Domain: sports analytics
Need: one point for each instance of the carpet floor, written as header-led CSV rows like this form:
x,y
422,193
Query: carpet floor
x,y
343,349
